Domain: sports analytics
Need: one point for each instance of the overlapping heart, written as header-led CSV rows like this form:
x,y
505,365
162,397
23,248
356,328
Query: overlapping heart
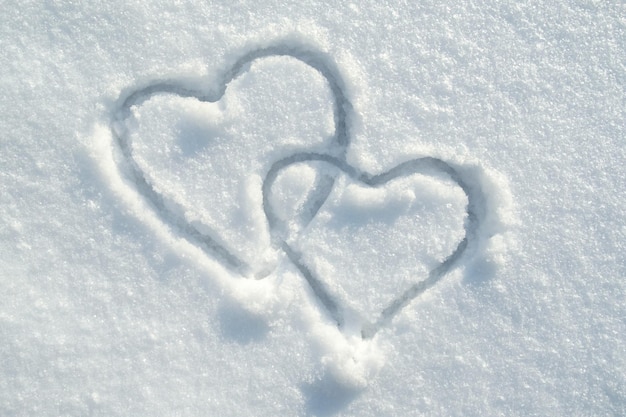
x,y
334,156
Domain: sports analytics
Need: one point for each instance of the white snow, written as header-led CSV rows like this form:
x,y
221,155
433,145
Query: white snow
x,y
218,209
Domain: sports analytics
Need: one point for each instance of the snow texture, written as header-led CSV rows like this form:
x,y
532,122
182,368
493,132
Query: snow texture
x,y
312,209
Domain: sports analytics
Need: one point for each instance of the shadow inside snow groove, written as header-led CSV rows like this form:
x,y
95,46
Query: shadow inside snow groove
x,y
335,156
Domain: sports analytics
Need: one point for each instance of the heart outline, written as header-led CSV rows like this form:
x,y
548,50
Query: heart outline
x,y
407,168
336,156
211,242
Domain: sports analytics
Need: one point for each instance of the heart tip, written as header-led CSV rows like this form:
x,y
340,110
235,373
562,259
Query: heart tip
x,y
368,331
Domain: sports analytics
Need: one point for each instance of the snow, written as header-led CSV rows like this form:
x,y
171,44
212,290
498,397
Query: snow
x,y
375,209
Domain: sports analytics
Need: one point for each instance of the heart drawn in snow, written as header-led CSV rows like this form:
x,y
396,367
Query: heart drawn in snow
x,y
330,152
426,166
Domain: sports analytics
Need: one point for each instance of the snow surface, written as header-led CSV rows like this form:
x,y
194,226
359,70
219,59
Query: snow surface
x,y
276,208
